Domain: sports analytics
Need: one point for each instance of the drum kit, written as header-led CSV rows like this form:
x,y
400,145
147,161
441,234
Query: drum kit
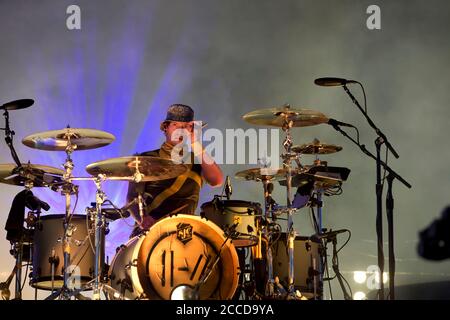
x,y
234,249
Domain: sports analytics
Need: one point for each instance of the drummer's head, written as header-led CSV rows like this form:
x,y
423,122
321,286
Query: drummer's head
x,y
179,116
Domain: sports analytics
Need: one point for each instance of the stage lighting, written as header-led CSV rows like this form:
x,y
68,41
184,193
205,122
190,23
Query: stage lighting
x,y
359,276
184,292
359,295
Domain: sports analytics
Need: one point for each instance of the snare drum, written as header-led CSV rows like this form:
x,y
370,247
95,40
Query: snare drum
x,y
176,251
226,213
48,237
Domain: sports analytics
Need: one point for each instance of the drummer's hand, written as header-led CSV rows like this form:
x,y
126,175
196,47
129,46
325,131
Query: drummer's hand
x,y
196,134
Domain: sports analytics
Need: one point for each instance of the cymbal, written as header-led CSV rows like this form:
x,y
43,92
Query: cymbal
x,y
316,147
259,174
153,168
39,175
58,140
277,117
17,104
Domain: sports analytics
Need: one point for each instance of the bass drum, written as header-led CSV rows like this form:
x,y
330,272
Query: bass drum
x,y
176,251
48,237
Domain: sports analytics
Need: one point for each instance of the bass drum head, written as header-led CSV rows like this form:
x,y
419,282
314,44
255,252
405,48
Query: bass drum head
x,y
179,251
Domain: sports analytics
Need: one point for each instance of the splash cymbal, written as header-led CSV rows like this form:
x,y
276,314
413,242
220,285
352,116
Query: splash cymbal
x,y
316,147
59,140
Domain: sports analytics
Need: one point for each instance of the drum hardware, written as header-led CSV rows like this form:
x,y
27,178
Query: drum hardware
x,y
69,140
287,118
287,125
4,286
20,236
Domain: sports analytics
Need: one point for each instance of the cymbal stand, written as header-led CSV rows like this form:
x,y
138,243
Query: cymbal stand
x,y
269,290
317,201
68,189
100,224
287,157
137,177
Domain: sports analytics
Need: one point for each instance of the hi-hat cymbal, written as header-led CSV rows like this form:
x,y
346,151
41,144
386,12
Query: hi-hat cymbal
x,y
58,140
316,147
17,104
38,175
278,116
152,168
259,174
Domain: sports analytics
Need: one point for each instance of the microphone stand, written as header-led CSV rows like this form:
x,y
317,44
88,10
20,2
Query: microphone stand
x,y
392,175
377,130
379,192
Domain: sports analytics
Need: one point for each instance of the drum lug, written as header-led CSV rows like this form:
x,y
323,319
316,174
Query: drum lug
x,y
133,263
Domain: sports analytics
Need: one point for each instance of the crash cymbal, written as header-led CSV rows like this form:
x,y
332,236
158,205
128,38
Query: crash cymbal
x,y
316,147
17,104
153,168
259,174
277,117
39,175
58,140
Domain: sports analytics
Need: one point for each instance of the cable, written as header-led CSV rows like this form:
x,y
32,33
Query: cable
x,y
120,212
90,231
384,171
346,242
364,93
328,274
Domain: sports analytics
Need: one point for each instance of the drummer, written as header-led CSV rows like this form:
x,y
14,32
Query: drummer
x,y
181,194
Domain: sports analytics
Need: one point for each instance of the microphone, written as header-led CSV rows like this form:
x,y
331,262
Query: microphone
x,y
332,82
228,188
125,209
334,122
34,203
